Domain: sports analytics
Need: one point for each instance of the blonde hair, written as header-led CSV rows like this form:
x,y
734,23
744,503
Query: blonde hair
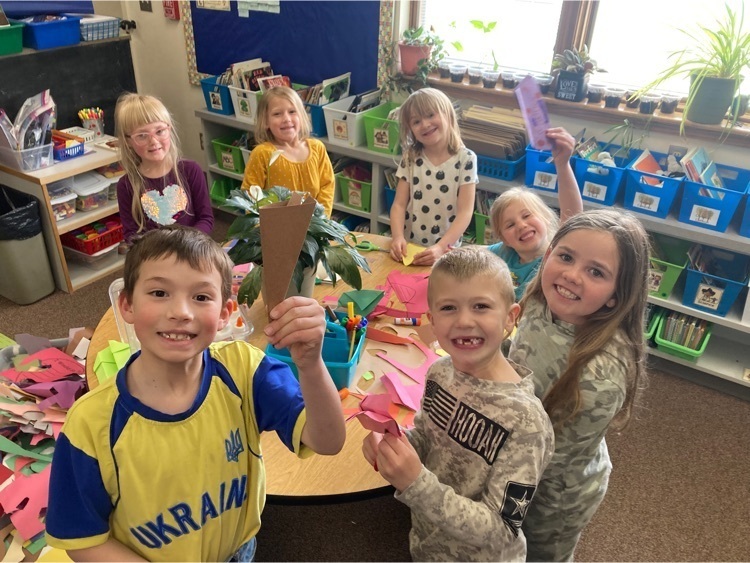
x,y
467,262
563,400
532,202
422,103
132,112
186,244
262,131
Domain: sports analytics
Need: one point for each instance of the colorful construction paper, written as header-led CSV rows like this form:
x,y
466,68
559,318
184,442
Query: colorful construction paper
x,y
55,363
419,373
33,491
379,335
411,251
365,300
375,422
6,341
410,396
31,343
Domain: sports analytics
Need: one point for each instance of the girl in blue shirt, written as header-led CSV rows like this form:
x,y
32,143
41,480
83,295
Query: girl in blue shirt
x,y
525,225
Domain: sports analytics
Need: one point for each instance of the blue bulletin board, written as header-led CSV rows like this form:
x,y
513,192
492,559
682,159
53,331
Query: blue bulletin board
x,y
307,41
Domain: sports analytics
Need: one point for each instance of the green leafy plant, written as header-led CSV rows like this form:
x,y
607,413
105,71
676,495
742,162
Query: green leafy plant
x,y
485,28
720,52
396,81
573,60
626,137
325,243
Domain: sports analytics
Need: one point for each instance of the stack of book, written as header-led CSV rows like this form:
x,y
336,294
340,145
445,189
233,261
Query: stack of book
x,y
684,330
494,132
330,90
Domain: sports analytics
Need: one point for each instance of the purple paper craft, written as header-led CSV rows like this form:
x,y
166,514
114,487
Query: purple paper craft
x,y
31,343
61,393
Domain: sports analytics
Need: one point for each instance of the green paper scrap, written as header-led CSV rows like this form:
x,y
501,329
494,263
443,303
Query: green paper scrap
x,y
37,545
20,366
368,375
6,341
13,448
110,360
365,300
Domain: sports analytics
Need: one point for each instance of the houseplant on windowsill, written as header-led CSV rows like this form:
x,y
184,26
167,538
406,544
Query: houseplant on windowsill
x,y
571,70
419,51
325,243
714,64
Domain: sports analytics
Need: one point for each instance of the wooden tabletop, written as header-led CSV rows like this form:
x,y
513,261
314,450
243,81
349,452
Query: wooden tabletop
x,y
318,478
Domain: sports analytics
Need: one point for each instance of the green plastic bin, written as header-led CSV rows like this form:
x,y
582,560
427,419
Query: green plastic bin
x,y
11,39
354,193
669,347
229,156
382,133
668,260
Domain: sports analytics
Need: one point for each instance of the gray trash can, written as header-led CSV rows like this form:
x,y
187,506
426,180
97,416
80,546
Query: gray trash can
x,y
25,272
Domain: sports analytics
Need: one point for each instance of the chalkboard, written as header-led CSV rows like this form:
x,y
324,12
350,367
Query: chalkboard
x,y
90,74
307,41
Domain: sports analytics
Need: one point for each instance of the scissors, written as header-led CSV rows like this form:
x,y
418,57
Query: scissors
x,y
368,246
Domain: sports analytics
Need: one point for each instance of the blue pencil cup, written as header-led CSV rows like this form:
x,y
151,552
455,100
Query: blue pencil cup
x,y
335,354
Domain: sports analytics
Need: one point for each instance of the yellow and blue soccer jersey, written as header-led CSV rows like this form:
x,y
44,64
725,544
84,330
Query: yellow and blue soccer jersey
x,y
182,487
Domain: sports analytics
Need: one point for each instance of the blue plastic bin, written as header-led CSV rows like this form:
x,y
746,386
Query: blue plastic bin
x,y
540,170
47,35
317,119
390,197
745,224
335,354
217,96
499,168
645,198
710,207
598,182
716,292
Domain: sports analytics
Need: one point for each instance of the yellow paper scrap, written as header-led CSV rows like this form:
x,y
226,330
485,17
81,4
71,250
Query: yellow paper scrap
x,y
411,251
52,554
368,375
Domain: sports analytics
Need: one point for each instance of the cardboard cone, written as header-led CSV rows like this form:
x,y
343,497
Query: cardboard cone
x,y
283,227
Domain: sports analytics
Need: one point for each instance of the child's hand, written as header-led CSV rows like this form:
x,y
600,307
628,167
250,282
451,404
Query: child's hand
x,y
563,144
398,461
398,248
299,324
429,255
370,448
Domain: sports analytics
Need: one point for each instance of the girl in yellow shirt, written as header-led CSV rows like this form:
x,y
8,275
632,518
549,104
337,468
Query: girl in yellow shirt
x,y
286,155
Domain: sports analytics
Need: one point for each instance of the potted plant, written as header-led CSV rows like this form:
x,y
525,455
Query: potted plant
x,y
325,243
419,52
571,69
714,63
489,73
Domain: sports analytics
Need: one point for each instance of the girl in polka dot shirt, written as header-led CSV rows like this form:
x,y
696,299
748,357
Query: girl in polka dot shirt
x,y
437,179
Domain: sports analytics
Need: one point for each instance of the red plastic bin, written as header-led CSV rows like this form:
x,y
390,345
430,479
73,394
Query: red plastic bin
x,y
96,236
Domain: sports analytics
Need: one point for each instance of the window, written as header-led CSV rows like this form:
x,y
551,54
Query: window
x,y
510,40
631,40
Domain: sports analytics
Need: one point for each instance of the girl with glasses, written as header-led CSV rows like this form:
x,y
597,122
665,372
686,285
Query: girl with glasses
x,y
158,187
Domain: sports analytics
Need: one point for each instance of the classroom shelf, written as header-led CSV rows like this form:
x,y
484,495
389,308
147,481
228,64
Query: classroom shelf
x,y
727,354
68,277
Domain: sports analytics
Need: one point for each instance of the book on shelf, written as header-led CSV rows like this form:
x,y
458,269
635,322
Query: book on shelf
x,y
239,69
265,83
647,163
710,177
695,163
588,149
334,89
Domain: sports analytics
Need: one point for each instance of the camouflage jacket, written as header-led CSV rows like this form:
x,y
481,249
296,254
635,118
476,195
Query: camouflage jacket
x,y
484,446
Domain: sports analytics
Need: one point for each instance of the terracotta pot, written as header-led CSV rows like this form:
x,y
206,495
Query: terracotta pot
x,y
410,56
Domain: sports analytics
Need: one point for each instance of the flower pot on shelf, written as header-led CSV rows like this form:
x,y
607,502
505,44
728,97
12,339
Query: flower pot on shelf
x,y
711,100
570,86
411,55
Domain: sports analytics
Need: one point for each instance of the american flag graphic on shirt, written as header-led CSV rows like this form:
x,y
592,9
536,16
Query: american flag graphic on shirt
x,y
465,425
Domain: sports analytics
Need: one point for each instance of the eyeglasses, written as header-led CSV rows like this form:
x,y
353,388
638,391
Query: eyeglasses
x,y
142,139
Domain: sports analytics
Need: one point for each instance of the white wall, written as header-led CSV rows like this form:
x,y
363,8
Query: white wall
x,y
160,63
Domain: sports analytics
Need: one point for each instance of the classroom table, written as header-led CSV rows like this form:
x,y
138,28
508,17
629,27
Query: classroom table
x,y
346,476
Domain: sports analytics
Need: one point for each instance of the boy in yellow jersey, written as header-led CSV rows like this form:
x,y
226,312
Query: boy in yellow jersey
x,y
163,462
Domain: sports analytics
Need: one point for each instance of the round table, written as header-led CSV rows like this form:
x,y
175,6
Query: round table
x,y
319,478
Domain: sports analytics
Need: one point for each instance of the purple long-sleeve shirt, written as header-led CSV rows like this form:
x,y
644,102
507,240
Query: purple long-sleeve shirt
x,y
165,203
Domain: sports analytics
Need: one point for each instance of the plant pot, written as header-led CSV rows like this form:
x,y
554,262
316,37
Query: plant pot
x,y
570,86
411,55
308,285
711,100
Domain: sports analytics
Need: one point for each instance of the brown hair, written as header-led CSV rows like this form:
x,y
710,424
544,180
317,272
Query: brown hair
x,y
186,244
424,102
467,262
262,131
131,112
563,401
